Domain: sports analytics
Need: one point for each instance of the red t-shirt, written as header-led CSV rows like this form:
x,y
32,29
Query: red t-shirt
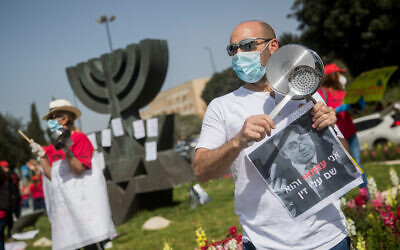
x,y
25,193
81,148
2,214
334,99
36,190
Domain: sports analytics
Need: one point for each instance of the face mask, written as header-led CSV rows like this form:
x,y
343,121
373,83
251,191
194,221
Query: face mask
x,y
53,125
342,80
248,67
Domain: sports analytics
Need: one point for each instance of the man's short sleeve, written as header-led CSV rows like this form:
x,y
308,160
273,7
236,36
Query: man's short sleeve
x,y
82,149
213,133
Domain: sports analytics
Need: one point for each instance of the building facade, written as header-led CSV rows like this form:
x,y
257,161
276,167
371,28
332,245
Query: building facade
x,y
184,99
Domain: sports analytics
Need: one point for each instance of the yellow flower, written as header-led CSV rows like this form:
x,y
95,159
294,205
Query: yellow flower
x,y
167,246
201,237
389,144
360,242
391,198
365,146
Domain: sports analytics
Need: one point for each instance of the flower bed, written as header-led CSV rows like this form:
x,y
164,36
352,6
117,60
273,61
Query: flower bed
x,y
232,241
375,223
381,153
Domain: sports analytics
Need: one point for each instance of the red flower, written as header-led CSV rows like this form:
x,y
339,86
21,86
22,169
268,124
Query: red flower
x,y
233,231
377,203
239,237
359,200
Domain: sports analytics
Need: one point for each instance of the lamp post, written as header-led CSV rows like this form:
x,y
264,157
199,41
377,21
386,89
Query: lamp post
x,y
104,19
211,58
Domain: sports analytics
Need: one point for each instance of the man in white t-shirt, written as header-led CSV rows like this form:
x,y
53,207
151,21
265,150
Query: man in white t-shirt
x,y
234,120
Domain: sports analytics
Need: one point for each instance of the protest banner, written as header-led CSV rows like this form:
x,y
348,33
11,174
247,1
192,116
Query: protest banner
x,y
78,206
305,168
370,84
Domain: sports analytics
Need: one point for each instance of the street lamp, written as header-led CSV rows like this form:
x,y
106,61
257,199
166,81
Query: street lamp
x,y
211,58
104,19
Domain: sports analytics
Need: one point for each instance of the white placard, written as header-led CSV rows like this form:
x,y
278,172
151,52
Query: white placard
x,y
117,128
152,127
305,168
151,150
138,129
80,212
16,245
106,138
92,139
25,235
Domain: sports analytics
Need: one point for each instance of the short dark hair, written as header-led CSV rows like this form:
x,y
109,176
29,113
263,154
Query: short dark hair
x,y
294,127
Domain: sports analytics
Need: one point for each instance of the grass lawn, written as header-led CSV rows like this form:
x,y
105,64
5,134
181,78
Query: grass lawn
x,y
215,217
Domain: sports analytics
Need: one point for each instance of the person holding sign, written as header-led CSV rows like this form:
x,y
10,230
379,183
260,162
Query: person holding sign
x,y
234,120
333,92
78,201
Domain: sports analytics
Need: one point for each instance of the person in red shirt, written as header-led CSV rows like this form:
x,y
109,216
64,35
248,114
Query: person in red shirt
x,y
68,143
13,185
333,92
5,202
25,194
36,190
77,148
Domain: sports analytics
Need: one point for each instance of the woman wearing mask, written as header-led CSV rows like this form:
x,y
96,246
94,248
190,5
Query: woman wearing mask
x,y
78,200
333,92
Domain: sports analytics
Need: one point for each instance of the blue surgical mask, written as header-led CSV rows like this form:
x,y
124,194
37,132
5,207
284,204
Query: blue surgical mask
x,y
248,67
53,125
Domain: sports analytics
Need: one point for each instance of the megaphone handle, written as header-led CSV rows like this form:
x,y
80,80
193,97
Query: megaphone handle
x,y
279,107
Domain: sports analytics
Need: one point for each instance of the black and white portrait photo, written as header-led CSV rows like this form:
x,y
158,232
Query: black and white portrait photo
x,y
304,166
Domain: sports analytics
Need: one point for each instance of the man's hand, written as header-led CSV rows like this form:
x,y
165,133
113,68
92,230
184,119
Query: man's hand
x,y
278,184
37,149
254,129
323,116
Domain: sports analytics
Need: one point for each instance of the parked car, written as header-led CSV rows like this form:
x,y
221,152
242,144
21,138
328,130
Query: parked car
x,y
379,128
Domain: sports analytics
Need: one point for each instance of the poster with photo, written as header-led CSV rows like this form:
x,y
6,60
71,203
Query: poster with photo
x,y
305,168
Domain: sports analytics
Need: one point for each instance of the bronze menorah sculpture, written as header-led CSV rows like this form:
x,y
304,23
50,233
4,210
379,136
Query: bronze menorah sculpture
x,y
120,84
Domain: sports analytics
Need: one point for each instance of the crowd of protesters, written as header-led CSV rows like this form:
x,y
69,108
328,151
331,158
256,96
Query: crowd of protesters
x,y
18,192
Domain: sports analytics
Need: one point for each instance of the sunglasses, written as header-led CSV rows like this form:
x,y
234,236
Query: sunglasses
x,y
245,45
55,116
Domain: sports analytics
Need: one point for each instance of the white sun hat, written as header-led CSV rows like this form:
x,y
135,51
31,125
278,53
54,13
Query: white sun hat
x,y
62,105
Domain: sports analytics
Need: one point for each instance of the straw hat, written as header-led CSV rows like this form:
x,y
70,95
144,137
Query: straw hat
x,y
62,105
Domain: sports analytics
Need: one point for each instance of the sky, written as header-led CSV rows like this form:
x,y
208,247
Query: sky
x,y
40,39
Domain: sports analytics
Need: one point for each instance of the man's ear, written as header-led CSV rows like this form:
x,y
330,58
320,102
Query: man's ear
x,y
274,45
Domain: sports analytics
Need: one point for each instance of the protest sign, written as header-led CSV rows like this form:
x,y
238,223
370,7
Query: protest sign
x,y
370,84
305,168
78,209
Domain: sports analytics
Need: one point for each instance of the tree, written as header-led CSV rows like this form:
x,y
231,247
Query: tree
x,y
287,38
34,130
187,126
362,33
13,148
220,84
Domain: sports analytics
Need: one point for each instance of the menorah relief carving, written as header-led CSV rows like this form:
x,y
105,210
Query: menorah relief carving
x,y
119,84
